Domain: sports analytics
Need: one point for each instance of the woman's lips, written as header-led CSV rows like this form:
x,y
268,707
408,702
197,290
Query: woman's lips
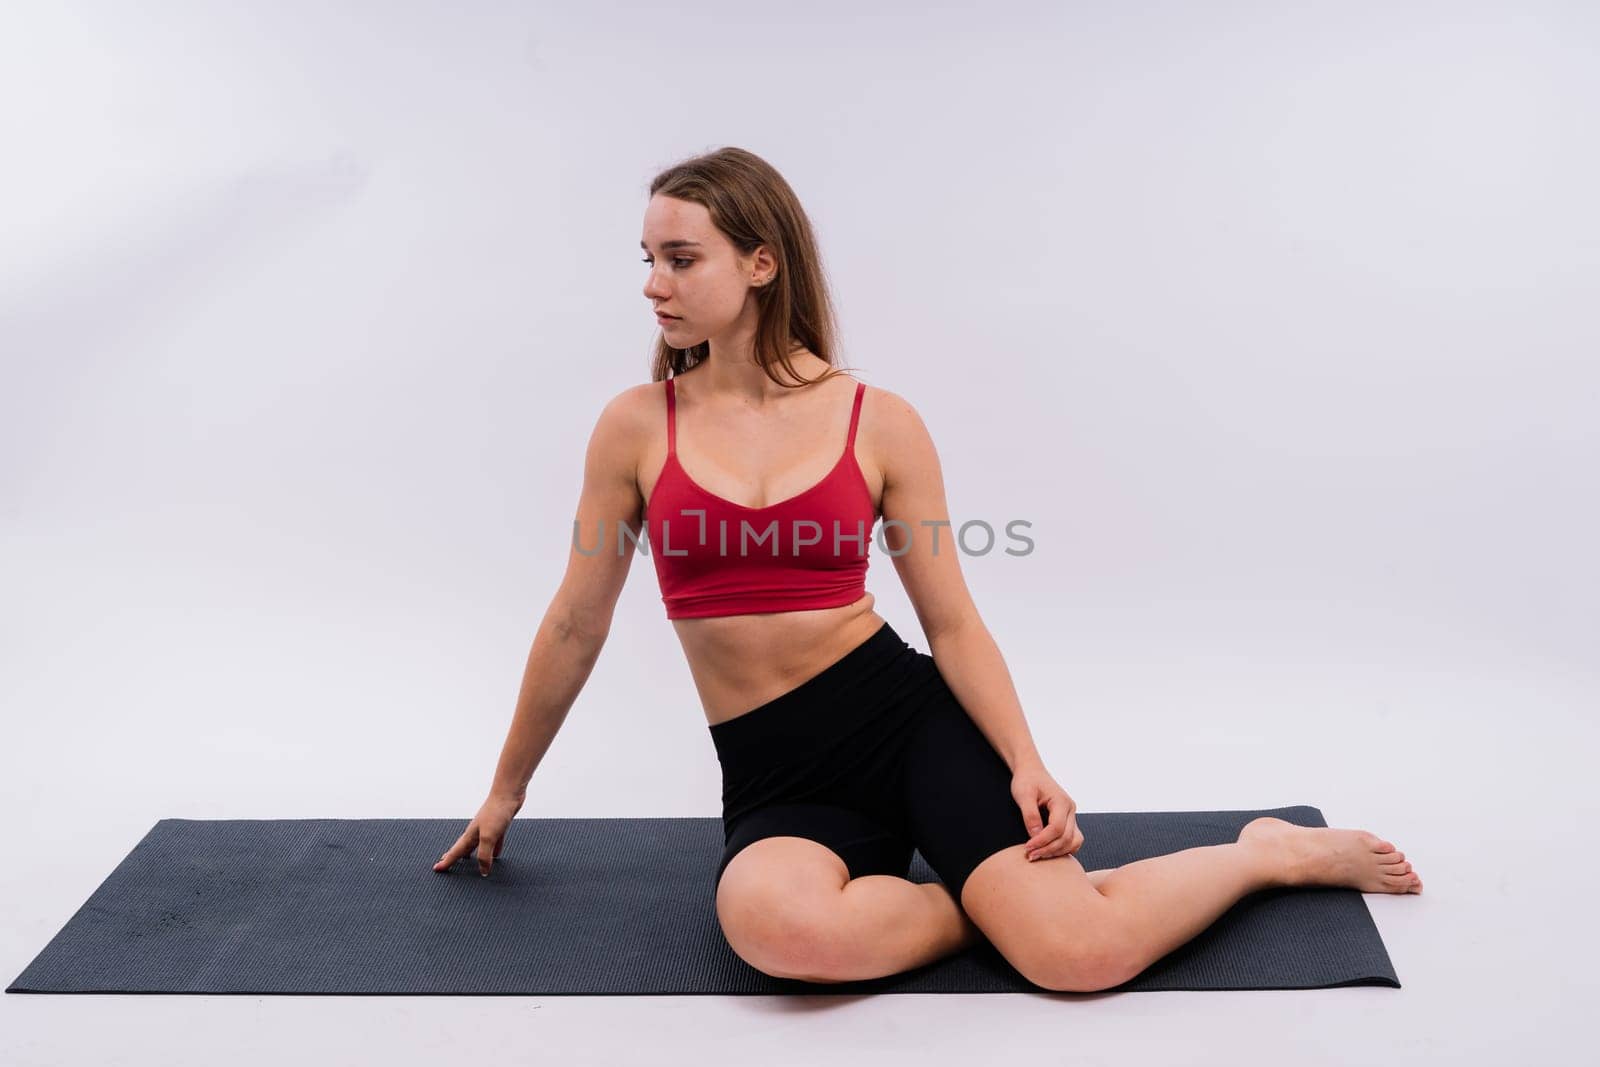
x,y
666,318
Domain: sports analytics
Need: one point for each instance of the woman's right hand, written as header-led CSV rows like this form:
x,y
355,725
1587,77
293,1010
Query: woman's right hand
x,y
487,831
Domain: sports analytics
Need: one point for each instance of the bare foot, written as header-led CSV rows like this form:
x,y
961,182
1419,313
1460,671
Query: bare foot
x,y
1321,855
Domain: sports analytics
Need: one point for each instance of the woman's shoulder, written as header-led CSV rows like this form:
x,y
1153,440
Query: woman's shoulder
x,y
889,419
886,403
629,415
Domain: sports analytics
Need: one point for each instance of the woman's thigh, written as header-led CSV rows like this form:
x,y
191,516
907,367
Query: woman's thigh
x,y
783,871
956,792
860,842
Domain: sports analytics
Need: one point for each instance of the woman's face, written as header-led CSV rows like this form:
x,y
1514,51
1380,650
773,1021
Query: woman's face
x,y
705,282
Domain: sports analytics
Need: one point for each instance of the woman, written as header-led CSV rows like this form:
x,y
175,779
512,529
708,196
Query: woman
x,y
841,746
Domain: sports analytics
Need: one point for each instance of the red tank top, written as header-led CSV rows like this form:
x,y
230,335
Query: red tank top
x,y
715,557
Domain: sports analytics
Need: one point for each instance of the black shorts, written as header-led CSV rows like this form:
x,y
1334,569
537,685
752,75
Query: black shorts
x,y
872,757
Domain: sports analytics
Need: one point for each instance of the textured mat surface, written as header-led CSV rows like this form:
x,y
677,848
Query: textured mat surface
x,y
583,906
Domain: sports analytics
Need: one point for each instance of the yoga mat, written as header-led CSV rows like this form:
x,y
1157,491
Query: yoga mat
x,y
583,906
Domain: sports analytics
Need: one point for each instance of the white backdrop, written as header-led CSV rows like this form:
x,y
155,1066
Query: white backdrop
x,y
1269,318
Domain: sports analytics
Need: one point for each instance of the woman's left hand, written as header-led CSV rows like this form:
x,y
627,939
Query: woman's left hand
x,y
1033,788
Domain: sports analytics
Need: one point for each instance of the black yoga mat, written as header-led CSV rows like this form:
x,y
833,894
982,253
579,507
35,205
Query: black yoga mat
x,y
584,906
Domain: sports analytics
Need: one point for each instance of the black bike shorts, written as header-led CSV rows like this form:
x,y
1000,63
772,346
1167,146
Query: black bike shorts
x,y
872,757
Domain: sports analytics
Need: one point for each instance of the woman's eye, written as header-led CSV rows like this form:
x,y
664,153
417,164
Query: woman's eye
x,y
677,261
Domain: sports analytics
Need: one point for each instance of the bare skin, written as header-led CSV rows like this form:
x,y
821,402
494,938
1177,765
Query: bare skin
x,y
1319,855
823,926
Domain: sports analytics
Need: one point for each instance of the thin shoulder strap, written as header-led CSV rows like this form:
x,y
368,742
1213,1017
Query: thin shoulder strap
x,y
672,418
855,414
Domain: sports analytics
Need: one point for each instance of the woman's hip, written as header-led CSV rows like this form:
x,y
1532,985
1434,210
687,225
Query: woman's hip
x,y
835,735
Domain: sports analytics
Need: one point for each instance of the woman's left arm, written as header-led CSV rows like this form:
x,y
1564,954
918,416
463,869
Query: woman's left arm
x,y
972,666
921,540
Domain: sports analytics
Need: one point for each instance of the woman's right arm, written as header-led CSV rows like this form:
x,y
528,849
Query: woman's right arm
x,y
576,623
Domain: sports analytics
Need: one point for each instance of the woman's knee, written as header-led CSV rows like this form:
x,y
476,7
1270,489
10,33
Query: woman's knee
x,y
779,908
1071,963
1048,922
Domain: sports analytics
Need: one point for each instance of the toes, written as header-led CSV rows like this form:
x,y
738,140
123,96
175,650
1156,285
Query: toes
x,y
1383,846
1391,857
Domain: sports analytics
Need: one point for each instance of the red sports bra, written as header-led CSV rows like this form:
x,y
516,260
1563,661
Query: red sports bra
x,y
715,557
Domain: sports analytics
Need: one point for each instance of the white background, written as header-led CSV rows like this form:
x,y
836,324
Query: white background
x,y
1269,317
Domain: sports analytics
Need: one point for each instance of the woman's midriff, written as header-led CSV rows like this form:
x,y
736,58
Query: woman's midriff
x,y
740,662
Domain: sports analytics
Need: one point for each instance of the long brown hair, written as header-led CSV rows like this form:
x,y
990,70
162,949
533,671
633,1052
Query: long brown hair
x,y
752,205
